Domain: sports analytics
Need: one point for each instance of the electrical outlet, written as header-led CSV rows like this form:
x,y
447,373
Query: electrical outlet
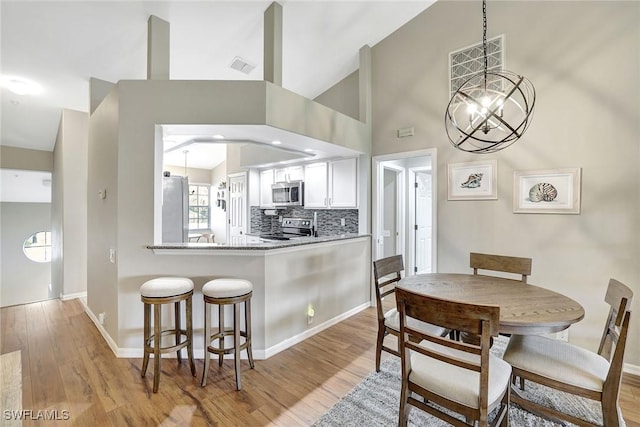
x,y
310,313
343,221
112,256
101,318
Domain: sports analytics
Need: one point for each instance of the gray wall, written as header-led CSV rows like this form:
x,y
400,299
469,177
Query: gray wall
x,y
343,98
25,158
583,58
123,135
22,280
69,205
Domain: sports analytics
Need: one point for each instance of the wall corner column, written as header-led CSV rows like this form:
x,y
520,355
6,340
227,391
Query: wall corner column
x,y
158,42
273,44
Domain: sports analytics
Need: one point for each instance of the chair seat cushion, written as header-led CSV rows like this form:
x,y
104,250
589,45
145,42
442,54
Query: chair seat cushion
x,y
557,360
455,383
166,287
227,288
392,320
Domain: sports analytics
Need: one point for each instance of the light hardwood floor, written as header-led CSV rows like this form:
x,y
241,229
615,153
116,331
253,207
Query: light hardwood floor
x,y
67,366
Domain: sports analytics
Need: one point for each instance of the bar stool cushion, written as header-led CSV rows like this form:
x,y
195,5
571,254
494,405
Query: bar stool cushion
x,y
166,287
226,288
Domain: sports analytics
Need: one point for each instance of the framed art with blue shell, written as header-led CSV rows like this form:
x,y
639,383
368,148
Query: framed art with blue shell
x,y
552,191
473,180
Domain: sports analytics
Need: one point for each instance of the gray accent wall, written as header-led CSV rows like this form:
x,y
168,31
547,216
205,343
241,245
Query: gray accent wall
x,y
583,58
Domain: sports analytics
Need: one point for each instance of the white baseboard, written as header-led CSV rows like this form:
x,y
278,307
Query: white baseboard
x,y
67,297
110,342
137,352
310,332
631,369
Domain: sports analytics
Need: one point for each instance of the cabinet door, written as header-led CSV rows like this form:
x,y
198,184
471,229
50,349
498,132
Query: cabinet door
x,y
295,173
343,180
280,175
315,185
266,179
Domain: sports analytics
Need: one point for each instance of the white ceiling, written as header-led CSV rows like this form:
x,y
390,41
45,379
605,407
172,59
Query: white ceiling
x,y
61,44
25,186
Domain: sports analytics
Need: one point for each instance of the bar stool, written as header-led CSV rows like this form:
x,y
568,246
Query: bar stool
x,y
155,292
223,292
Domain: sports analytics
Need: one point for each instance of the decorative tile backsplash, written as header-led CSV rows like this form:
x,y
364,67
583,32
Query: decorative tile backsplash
x,y
329,220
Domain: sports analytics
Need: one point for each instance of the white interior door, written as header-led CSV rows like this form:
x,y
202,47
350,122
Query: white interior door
x,y
391,214
237,208
423,222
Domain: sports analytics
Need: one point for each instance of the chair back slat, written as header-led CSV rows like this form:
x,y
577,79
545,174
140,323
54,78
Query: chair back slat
x,y
507,264
450,314
619,297
386,274
619,340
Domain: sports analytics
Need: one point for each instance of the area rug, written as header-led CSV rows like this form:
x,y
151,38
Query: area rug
x,y
376,401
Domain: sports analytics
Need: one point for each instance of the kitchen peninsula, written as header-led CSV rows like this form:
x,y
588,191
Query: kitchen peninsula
x,y
301,286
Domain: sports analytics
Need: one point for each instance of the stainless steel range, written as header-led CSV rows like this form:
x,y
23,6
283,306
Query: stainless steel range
x,y
291,228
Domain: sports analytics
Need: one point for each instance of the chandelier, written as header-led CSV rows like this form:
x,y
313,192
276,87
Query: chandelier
x,y
490,110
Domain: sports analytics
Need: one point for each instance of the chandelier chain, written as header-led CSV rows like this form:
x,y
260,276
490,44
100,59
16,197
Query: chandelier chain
x,y
484,40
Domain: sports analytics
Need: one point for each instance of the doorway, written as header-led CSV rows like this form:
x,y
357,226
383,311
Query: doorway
x,y
404,209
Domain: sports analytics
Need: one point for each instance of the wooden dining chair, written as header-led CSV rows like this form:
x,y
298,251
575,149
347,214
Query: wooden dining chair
x,y
572,369
463,378
387,274
506,264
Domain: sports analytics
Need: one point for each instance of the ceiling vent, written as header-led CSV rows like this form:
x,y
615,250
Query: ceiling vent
x,y
242,65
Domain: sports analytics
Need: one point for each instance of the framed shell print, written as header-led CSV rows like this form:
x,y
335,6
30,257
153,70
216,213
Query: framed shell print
x,y
473,180
555,191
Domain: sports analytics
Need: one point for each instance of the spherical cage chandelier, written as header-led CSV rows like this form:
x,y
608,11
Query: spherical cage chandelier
x,y
490,110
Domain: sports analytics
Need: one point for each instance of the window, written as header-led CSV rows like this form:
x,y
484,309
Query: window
x,y
199,206
37,247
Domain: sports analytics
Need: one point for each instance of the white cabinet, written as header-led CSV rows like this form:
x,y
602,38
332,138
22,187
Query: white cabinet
x,y
266,180
291,173
331,184
343,179
315,185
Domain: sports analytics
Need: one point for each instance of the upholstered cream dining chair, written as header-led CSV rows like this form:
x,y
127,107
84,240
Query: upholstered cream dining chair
x,y
387,274
572,369
464,378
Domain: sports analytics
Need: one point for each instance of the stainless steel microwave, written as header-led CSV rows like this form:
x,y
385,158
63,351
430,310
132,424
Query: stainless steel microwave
x,y
288,193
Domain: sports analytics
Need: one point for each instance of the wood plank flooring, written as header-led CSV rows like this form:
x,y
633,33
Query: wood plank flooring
x,y
69,371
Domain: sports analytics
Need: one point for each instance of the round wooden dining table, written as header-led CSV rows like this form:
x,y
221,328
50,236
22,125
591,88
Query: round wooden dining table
x,y
524,308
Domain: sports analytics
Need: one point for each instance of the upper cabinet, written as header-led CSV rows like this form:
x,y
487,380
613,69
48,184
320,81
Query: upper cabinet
x,y
327,185
331,184
291,173
315,185
266,180
343,183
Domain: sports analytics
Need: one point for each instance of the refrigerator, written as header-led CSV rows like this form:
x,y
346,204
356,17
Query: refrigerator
x,y
175,209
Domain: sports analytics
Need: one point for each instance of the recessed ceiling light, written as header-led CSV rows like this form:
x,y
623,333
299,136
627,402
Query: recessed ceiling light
x,y
20,85
218,136
276,142
308,150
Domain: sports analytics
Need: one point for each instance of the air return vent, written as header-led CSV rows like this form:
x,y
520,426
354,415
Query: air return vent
x,y
242,65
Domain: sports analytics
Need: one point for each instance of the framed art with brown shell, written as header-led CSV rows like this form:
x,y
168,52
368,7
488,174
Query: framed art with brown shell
x,y
553,191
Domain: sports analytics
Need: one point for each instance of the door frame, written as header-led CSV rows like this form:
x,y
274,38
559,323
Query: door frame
x,y
378,196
